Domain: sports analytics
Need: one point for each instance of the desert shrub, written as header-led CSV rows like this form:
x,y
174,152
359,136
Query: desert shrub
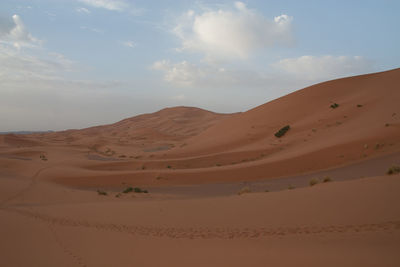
x,y
313,182
327,179
128,190
169,167
244,190
359,105
393,170
102,193
290,187
282,131
139,190
335,105
43,157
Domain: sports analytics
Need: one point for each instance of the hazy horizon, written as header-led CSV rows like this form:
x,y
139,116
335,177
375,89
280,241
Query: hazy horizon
x,y
75,64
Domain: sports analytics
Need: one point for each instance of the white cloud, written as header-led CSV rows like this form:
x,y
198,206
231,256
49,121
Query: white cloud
x,y
83,10
324,67
282,76
16,65
130,44
180,74
18,35
186,74
114,5
231,34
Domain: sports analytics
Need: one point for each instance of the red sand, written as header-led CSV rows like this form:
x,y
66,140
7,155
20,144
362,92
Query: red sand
x,y
51,214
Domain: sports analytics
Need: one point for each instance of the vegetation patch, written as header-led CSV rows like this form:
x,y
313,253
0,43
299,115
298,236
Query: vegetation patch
x,y
313,182
139,190
102,193
244,190
327,179
128,190
134,189
43,157
359,105
393,170
335,105
282,131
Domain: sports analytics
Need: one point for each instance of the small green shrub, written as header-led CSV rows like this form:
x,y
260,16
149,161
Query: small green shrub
x,y
393,170
335,105
359,105
313,182
128,190
139,190
327,179
102,193
282,131
291,187
169,167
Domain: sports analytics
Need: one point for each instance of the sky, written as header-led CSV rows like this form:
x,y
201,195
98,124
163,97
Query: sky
x,y
77,63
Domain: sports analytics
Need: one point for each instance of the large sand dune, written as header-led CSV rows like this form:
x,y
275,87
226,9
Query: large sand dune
x,y
193,163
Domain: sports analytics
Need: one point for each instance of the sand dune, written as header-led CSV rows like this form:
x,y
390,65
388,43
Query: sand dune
x,y
194,162
189,146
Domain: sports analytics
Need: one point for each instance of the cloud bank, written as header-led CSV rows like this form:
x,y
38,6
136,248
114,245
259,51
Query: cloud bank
x,y
324,67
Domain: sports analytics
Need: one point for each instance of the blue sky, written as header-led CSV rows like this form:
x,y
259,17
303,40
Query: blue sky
x,y
78,63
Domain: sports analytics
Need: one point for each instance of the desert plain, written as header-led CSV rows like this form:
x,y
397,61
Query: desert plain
x,y
188,187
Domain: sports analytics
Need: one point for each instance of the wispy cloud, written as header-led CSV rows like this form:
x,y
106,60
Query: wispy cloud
x,y
18,35
114,5
83,10
95,30
324,67
130,44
